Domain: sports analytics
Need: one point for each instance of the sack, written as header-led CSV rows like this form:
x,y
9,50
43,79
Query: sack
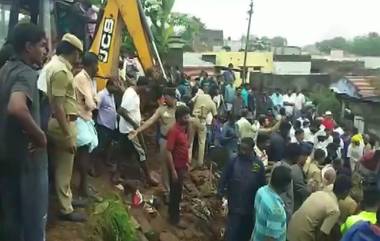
x,y
86,134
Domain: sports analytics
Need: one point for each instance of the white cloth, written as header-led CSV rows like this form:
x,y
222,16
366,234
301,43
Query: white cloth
x,y
130,102
292,134
308,135
355,153
209,119
44,76
299,102
289,99
261,155
199,92
339,130
218,100
86,134
41,82
323,145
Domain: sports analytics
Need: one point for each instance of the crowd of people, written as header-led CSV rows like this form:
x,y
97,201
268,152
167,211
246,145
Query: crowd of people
x,y
289,173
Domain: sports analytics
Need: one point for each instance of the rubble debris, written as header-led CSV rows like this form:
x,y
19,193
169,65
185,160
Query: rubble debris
x,y
145,226
200,209
166,236
188,234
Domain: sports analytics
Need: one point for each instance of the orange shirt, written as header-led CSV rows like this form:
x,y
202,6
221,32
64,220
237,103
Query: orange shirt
x,y
85,94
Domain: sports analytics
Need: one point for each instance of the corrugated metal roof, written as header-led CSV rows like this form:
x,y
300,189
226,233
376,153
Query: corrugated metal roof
x,y
366,86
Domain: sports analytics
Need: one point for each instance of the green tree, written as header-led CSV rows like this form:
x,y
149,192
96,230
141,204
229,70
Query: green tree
x,y
260,44
97,2
279,41
336,43
189,27
325,100
366,45
159,12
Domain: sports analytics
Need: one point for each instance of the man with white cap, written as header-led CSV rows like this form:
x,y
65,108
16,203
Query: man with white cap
x,y
328,121
61,127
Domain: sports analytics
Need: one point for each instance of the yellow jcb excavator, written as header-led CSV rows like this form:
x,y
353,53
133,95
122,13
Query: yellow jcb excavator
x,y
115,16
107,41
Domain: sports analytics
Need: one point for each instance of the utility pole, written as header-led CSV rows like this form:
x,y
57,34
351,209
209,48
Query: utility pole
x,y
250,12
44,20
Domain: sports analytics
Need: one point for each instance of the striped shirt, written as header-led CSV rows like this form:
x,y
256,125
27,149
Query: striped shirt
x,y
270,216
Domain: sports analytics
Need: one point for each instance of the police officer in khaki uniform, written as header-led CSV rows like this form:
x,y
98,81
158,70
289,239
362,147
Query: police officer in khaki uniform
x,y
61,127
203,105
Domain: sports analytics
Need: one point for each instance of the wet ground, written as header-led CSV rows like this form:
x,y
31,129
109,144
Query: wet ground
x,y
200,209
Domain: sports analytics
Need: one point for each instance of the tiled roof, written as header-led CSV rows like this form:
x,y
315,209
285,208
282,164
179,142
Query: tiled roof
x,y
367,87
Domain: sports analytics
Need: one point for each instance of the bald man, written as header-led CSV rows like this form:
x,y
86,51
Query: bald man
x,y
328,177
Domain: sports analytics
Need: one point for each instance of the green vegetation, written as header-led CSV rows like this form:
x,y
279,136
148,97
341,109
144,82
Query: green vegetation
x,y
367,45
111,222
325,100
264,43
165,24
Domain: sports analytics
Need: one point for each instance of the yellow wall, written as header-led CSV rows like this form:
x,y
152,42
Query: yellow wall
x,y
264,59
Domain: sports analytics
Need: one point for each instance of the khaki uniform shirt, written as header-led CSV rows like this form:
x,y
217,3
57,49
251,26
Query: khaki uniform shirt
x,y
312,172
60,84
347,208
204,105
167,118
85,95
320,211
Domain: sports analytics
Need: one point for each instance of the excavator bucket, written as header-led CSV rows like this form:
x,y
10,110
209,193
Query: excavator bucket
x,y
107,42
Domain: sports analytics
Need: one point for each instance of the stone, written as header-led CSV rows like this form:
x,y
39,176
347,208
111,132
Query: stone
x,y
188,234
144,224
141,237
166,236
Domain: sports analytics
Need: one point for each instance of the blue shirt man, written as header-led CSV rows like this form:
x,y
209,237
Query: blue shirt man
x,y
229,94
270,215
278,100
364,231
244,95
241,179
229,75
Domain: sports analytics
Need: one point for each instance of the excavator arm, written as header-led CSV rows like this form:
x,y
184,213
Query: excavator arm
x,y
107,41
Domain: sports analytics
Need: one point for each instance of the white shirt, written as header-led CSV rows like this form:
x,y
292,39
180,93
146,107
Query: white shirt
x,y
339,130
130,102
308,135
41,82
355,153
292,134
290,99
261,155
322,144
209,119
218,100
42,78
299,101
255,128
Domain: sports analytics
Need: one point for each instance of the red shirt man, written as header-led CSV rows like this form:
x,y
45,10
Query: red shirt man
x,y
178,145
178,160
328,121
